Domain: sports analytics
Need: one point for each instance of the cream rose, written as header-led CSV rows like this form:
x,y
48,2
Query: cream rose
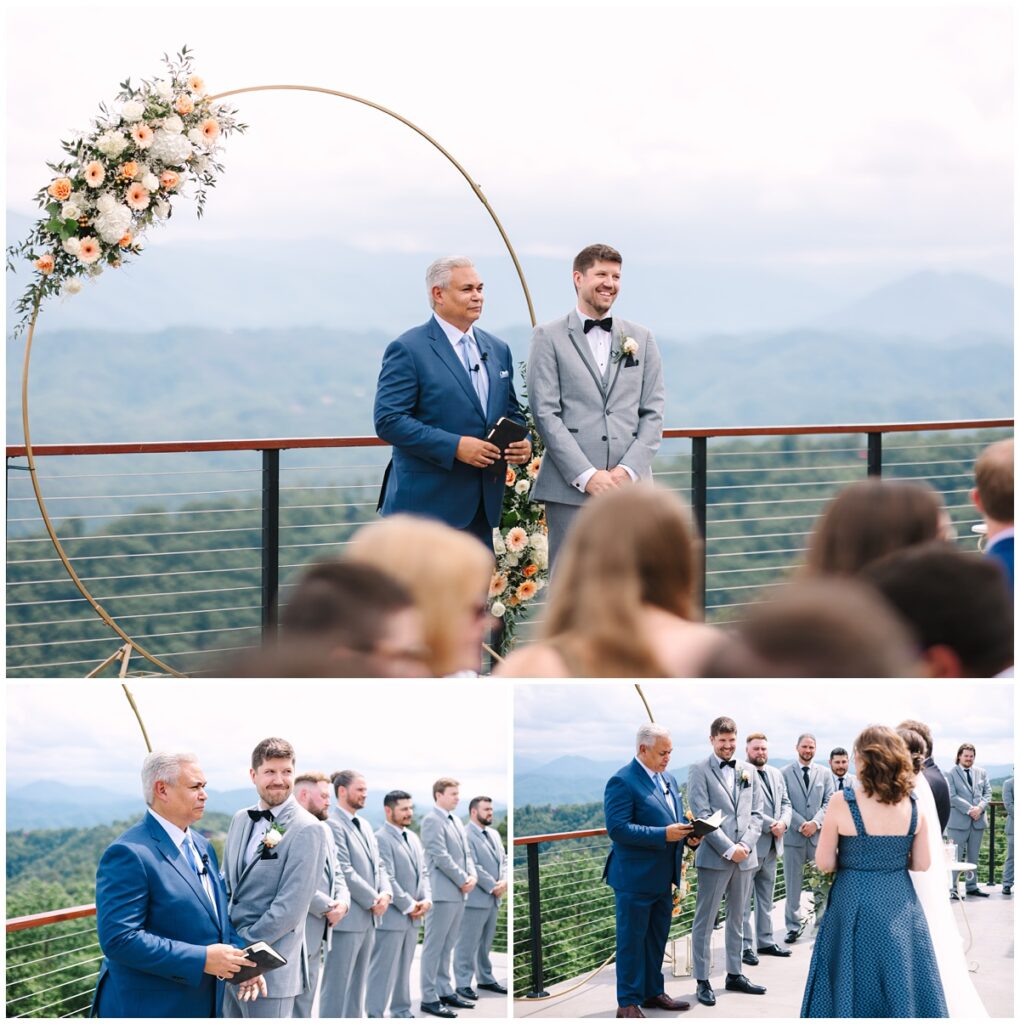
x,y
132,110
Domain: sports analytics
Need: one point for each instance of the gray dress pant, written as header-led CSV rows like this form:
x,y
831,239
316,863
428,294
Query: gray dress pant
x,y
345,974
471,957
303,1003
389,972
794,859
1007,868
262,1007
712,884
968,847
558,517
764,890
442,926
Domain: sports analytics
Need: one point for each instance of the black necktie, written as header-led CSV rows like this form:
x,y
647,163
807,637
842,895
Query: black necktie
x,y
805,769
489,839
267,814
357,824
406,840
606,324
840,783
970,781
727,764
763,775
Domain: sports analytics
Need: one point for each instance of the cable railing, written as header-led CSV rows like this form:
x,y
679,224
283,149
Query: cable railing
x,y
564,913
191,543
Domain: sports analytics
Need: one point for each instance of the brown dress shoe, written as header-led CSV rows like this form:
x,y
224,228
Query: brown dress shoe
x,y
665,1002
628,1011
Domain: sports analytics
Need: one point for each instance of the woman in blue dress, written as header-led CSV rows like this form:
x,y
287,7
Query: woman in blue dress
x,y
873,956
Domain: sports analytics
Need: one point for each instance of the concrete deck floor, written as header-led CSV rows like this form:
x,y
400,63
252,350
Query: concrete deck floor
x,y
990,958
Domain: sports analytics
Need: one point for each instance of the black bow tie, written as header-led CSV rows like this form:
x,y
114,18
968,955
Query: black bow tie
x,y
257,815
727,764
606,324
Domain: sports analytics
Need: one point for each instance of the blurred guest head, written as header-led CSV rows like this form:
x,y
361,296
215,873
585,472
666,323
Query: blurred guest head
x,y
818,627
447,571
347,607
867,520
884,769
956,605
993,475
284,659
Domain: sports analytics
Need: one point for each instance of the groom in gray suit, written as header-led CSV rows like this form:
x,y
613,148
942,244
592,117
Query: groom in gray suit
x,y
272,863
969,795
453,876
471,956
596,391
810,787
776,813
389,972
345,972
727,857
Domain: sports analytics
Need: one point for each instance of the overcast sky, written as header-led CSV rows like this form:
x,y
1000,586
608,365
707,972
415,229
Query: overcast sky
x,y
816,141
600,722
397,734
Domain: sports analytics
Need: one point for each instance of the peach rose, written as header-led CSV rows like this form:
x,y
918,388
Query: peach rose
x,y
511,476
196,84
142,135
88,250
61,189
128,169
210,129
169,179
529,570
527,590
125,240
137,196
184,105
95,174
45,264
497,584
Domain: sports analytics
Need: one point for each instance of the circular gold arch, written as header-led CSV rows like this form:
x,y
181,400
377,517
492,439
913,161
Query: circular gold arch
x,y
131,645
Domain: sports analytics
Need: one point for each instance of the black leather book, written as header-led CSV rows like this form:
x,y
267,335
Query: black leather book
x,y
264,956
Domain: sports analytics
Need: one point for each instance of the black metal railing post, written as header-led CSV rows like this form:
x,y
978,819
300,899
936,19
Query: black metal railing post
x,y
874,454
699,503
270,537
535,925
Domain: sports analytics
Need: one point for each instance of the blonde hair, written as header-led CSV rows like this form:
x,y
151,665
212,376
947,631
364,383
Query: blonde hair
x,y
635,546
446,570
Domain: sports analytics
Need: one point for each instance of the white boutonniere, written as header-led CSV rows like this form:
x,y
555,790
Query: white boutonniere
x,y
272,835
745,779
628,350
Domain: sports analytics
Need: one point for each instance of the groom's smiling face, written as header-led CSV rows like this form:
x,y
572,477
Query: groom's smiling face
x,y
724,745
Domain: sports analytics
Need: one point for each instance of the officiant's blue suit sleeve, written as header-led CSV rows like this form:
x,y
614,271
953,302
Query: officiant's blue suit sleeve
x,y
122,900
396,399
619,808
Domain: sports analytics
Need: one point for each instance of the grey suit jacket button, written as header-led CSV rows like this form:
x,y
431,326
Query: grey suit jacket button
x,y
604,438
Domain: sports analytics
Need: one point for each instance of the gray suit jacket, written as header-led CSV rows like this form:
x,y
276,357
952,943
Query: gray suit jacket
x,y
269,899
447,855
332,887
962,797
742,814
849,781
1007,800
490,865
809,804
774,807
585,421
357,855
404,863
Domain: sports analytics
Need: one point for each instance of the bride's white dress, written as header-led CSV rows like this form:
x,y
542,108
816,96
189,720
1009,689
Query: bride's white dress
x,y
932,888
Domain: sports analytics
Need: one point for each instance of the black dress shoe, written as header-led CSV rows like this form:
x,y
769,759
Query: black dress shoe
x,y
774,950
750,958
792,936
461,1004
739,983
467,993
954,895
437,1010
705,994
493,986
1007,890
976,892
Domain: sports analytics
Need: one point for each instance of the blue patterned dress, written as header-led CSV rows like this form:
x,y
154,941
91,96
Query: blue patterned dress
x,y
873,956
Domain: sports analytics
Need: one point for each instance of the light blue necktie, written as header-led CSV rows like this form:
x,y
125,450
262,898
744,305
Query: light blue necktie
x,y
479,378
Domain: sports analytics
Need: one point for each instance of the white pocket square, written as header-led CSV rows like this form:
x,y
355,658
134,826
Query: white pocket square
x,y
504,373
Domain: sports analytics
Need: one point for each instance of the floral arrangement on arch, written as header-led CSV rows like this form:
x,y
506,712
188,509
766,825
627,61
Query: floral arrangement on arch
x,y
120,177
521,542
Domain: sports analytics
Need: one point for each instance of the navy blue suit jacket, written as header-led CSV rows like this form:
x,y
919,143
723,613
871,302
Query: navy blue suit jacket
x,y
425,402
1002,552
641,861
155,921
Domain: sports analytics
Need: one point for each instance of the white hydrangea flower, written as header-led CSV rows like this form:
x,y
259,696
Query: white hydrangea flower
x,y
498,609
512,559
132,111
196,136
173,124
111,144
70,211
538,540
71,286
105,202
170,148
79,199
112,224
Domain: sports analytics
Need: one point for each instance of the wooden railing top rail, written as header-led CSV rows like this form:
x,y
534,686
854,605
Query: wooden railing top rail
x,y
18,924
556,836
270,443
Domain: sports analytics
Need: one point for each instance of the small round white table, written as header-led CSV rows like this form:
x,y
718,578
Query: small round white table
x,y
964,866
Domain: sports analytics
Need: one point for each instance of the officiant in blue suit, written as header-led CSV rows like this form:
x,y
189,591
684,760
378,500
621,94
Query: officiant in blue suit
x,y
646,820
442,387
161,909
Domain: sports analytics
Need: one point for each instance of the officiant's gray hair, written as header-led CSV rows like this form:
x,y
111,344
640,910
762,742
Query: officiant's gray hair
x,y
160,766
647,735
438,274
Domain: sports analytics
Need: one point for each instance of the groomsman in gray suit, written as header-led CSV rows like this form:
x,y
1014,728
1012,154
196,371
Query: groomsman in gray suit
x,y
969,793
345,973
272,863
596,391
839,765
1007,868
471,956
809,787
727,857
389,972
332,900
776,813
453,876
